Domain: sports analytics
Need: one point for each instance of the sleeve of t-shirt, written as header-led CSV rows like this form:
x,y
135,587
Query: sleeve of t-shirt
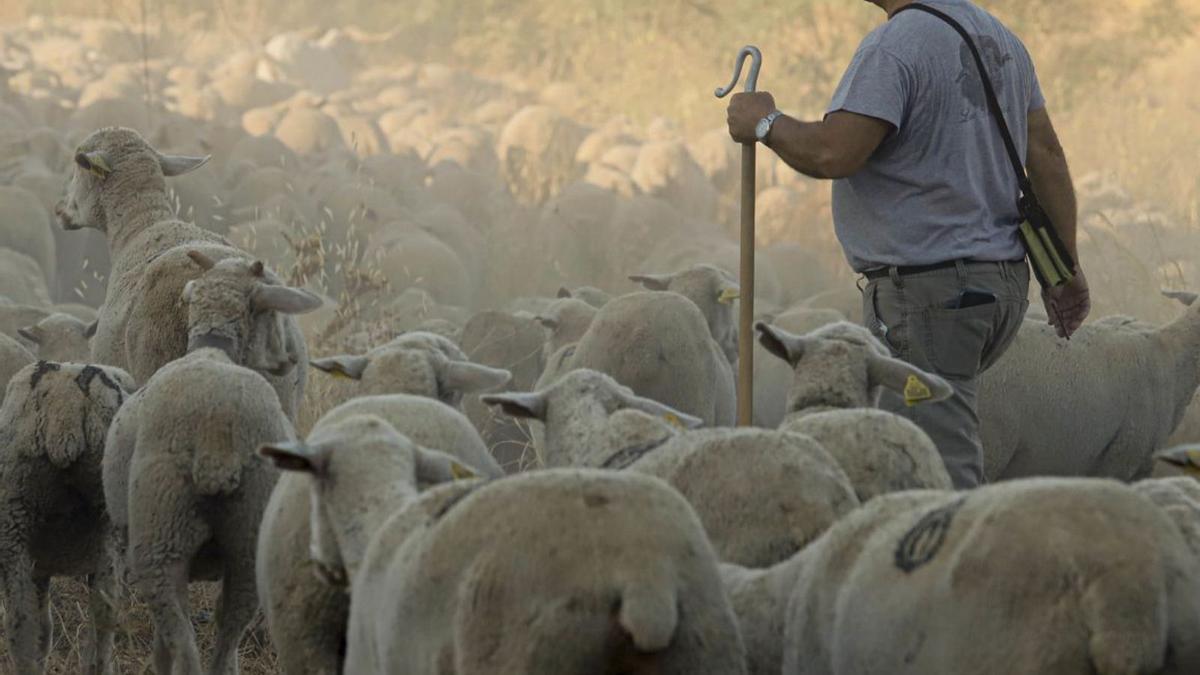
x,y
876,84
1037,100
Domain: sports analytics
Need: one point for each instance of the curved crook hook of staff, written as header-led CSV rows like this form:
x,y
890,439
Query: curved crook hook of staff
x,y
752,78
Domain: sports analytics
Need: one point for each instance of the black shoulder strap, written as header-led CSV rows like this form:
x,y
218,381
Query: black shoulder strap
x,y
989,92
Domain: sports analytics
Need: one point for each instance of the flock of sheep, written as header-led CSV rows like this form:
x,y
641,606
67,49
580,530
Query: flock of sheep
x,y
441,380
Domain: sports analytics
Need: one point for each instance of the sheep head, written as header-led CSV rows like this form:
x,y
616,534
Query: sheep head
x,y
576,411
408,367
60,337
362,469
235,306
115,166
843,366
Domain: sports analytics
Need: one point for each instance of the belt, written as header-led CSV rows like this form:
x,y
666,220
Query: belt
x,y
908,270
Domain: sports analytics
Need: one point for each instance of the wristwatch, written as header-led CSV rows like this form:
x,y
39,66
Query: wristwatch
x,y
764,126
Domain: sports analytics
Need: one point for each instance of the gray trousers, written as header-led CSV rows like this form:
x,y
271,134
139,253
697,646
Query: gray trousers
x,y
916,317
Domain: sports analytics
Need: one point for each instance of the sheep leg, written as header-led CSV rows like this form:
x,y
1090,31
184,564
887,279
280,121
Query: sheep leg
x,y
235,611
26,616
165,591
164,536
96,657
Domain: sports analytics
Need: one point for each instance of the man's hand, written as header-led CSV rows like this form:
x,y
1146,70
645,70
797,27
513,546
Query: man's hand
x,y
745,111
1068,305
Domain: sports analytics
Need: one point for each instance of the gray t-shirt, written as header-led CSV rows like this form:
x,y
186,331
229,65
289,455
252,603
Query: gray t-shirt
x,y
940,187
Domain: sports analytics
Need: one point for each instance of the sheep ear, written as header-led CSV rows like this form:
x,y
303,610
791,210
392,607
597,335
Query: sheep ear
x,y
468,378
30,334
547,321
1185,457
94,162
178,165
438,467
916,385
564,292
1186,297
205,262
347,367
729,294
652,282
283,299
676,418
296,456
531,405
781,343
90,331
257,269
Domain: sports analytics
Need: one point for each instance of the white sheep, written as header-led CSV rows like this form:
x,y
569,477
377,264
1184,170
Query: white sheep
x,y
641,594
243,309
570,416
52,439
760,600
772,379
420,363
659,345
566,320
307,619
14,317
186,496
1179,497
839,371
512,342
61,337
714,291
536,150
1097,405
761,494
117,186
1059,576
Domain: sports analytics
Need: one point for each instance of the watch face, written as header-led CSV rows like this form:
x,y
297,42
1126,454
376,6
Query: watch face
x,y
763,128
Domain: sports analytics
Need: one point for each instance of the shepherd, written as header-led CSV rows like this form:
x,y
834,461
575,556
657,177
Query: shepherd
x,y
921,145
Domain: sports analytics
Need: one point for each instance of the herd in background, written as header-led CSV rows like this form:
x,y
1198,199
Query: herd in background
x,y
441,380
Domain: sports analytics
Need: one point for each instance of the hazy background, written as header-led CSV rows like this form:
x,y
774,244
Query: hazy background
x,y
1120,74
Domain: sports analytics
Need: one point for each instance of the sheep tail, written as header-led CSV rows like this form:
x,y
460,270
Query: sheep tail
x,y
217,468
649,614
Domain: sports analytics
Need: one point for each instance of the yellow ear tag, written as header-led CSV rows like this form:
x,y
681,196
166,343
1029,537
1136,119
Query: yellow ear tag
x,y
916,391
728,295
673,421
460,472
337,372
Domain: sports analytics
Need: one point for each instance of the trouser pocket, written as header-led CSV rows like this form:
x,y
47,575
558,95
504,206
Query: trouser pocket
x,y
885,316
956,340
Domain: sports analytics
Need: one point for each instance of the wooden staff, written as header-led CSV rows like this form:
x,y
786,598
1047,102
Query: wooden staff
x,y
745,383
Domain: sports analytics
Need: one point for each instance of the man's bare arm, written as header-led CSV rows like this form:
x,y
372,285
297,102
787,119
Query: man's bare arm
x,y
1068,305
1047,165
834,148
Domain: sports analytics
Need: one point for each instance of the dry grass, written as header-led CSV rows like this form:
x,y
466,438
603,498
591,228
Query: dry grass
x,y
68,609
